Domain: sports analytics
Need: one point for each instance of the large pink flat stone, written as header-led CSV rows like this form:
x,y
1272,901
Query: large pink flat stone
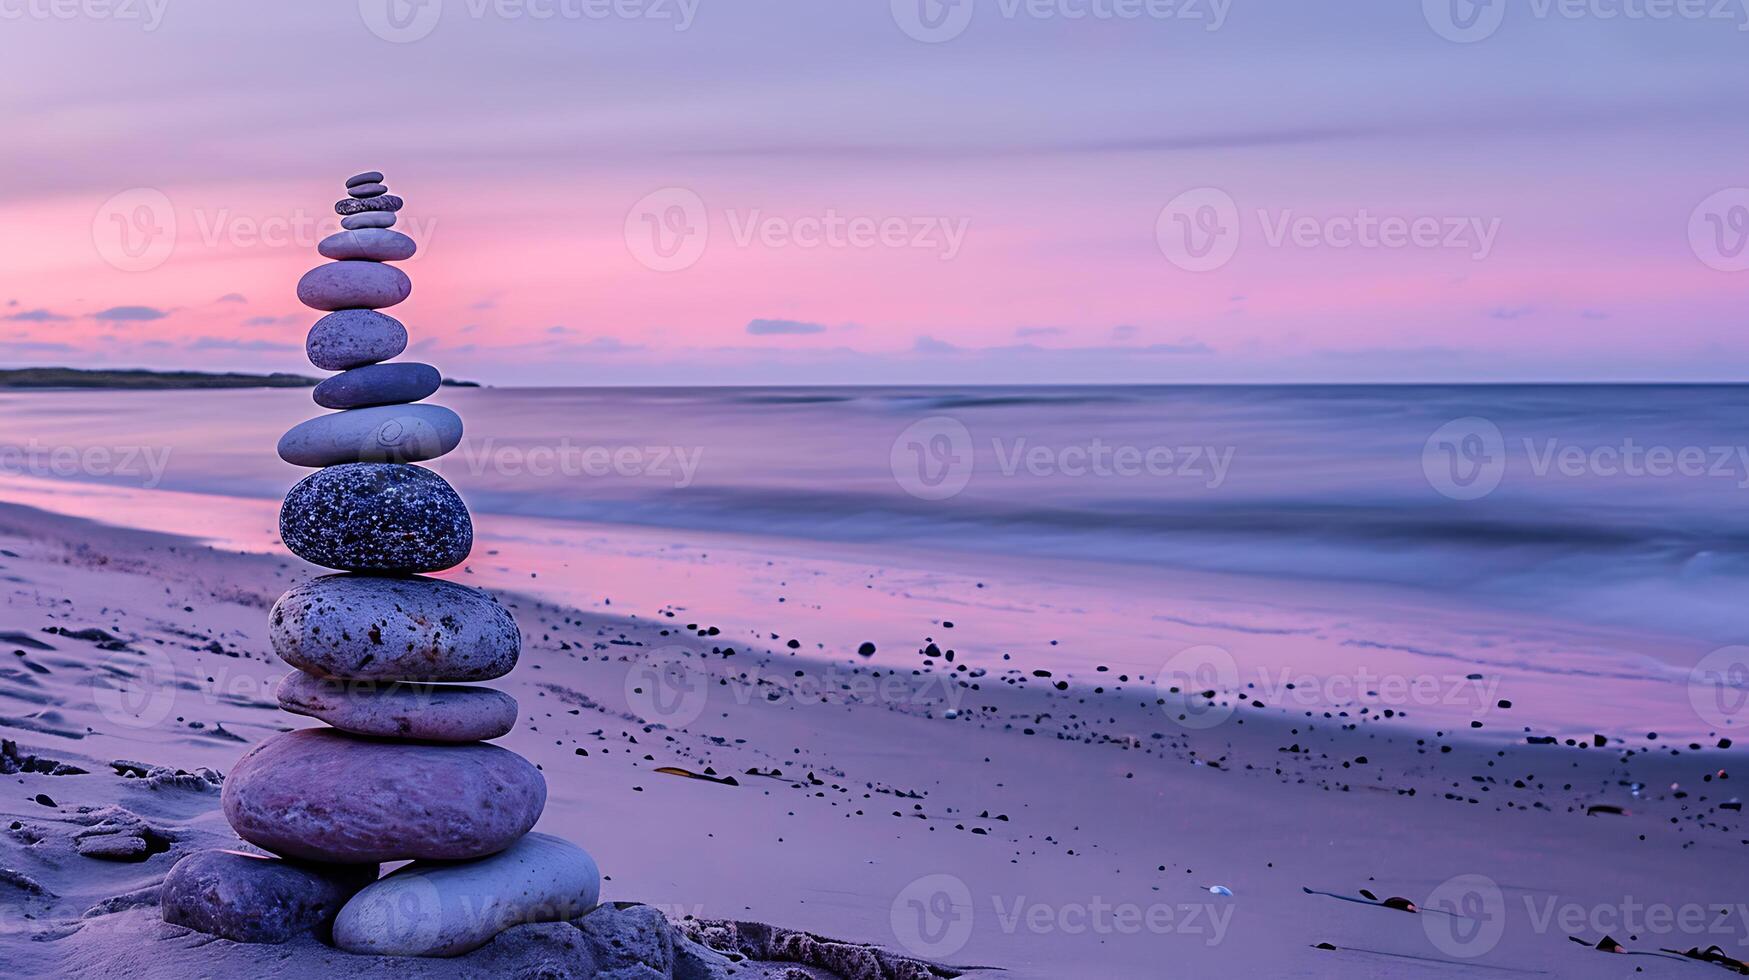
x,y
323,795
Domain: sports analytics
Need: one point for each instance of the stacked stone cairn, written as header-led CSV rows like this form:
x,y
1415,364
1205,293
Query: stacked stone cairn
x,y
404,771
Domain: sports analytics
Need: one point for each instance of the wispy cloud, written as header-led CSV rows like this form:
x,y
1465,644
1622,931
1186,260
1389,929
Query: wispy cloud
x,y
232,298
767,328
1039,332
228,343
129,314
37,316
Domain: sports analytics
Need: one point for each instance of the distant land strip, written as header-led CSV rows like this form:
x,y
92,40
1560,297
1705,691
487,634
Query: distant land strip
x,y
63,377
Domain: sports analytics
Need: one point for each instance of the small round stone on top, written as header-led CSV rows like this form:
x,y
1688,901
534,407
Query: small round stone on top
x,y
368,177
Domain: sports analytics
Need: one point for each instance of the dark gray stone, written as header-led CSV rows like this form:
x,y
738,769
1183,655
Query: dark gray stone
x,y
393,628
350,206
353,338
376,517
369,219
368,177
381,434
370,244
318,794
379,384
363,191
248,898
353,285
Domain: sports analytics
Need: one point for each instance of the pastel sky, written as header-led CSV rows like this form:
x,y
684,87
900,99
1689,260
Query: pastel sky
x,y
804,191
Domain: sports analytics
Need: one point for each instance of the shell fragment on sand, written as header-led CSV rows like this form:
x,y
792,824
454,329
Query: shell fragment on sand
x,y
368,244
450,909
353,285
376,517
353,338
379,384
382,628
379,434
248,898
399,710
322,795
352,205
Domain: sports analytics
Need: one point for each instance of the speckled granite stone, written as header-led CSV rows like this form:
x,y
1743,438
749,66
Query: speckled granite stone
x,y
376,517
379,384
350,206
248,898
368,627
353,338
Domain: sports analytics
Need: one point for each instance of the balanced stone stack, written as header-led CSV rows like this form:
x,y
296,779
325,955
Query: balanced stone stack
x,y
404,771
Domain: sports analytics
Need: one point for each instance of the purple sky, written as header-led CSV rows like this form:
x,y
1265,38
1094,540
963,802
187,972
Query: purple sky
x,y
789,191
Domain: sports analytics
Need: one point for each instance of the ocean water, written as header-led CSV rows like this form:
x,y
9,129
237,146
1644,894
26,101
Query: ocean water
x,y
1609,504
1577,552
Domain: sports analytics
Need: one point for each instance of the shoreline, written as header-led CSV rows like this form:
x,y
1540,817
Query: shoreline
x,y
1077,830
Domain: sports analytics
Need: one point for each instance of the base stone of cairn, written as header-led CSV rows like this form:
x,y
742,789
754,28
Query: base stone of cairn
x,y
402,772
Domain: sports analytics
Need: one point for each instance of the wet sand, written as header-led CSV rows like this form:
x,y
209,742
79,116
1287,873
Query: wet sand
x,y
975,815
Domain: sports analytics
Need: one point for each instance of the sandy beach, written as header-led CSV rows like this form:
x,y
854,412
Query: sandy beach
x,y
979,817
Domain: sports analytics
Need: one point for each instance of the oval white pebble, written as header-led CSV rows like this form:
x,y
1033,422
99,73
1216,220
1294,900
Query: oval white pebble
x,y
450,908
